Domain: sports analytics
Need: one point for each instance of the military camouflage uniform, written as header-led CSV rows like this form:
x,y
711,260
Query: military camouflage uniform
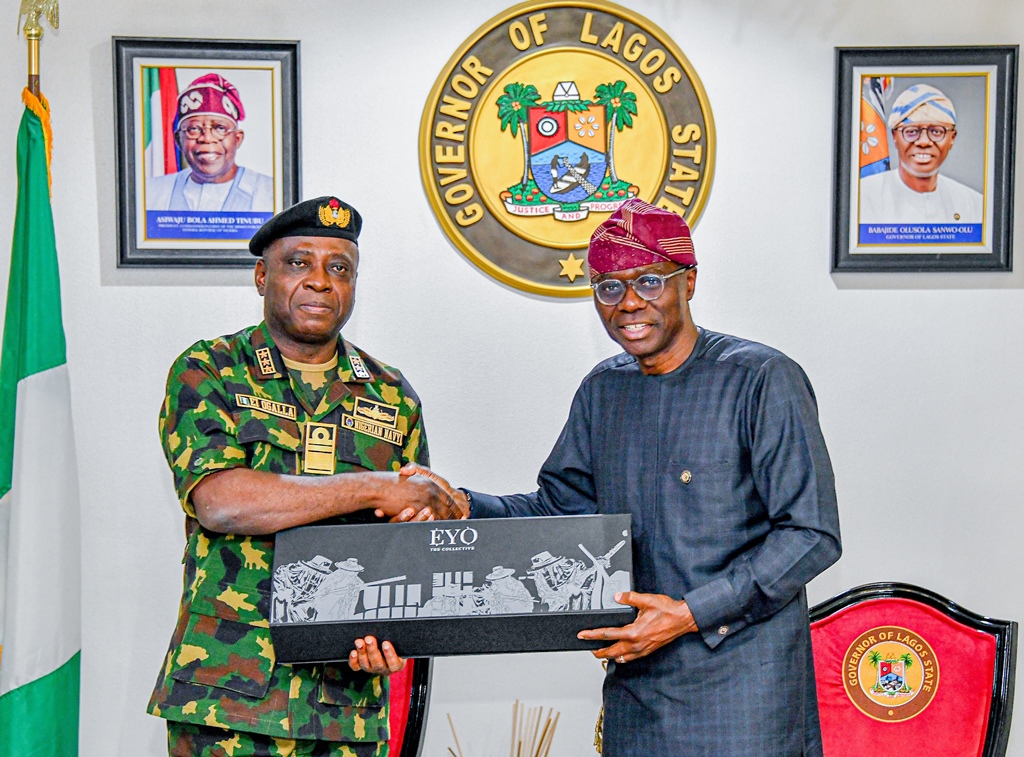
x,y
230,403
187,740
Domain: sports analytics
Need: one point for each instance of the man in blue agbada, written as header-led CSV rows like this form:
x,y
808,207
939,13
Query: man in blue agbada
x,y
712,444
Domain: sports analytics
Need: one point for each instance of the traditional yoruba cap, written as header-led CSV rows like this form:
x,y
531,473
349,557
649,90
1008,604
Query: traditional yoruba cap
x,y
499,572
543,559
350,564
639,234
922,104
211,95
322,217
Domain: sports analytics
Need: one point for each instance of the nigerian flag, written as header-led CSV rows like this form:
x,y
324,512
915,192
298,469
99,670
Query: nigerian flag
x,y
40,592
160,109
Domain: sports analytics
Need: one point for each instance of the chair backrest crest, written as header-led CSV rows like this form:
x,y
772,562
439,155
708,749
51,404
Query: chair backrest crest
x,y
896,663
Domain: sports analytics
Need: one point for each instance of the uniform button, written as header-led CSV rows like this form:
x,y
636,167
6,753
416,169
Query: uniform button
x,y
723,630
686,477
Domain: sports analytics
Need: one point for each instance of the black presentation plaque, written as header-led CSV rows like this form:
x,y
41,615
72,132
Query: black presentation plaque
x,y
449,588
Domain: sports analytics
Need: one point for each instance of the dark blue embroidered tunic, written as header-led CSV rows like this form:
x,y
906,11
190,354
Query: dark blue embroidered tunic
x,y
724,469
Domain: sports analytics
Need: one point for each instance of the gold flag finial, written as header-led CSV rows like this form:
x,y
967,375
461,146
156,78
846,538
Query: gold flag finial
x,y
32,10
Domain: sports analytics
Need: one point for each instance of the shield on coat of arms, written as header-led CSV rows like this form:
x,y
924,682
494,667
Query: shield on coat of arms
x,y
567,150
891,674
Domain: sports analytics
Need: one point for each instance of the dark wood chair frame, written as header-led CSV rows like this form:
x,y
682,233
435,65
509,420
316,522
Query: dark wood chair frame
x,y
419,699
1004,631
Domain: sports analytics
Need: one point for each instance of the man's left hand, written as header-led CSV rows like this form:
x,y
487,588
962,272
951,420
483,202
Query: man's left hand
x,y
660,620
379,659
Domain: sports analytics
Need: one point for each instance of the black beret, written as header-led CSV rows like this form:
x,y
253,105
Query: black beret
x,y
322,217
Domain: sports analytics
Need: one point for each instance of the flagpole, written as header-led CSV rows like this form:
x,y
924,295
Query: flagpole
x,y
33,33
32,10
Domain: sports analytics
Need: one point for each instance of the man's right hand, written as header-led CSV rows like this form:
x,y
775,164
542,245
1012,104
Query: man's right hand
x,y
459,502
419,494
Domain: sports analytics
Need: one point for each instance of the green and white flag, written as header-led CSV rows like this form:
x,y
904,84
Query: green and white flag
x,y
40,560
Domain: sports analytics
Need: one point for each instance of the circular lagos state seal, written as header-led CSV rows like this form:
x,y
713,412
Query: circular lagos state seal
x,y
890,673
547,119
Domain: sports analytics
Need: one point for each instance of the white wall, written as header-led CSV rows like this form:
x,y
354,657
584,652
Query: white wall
x,y
917,376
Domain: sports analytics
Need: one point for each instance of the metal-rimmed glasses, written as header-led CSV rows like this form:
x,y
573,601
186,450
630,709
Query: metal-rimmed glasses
x,y
935,132
648,286
219,132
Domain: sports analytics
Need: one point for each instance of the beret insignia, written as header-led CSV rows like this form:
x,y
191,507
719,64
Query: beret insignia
x,y
332,214
320,217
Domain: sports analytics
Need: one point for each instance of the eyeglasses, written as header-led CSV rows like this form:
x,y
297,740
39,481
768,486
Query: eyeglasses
x,y
935,133
648,286
218,131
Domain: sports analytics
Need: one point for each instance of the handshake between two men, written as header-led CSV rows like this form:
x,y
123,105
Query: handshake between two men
x,y
439,500
660,619
421,495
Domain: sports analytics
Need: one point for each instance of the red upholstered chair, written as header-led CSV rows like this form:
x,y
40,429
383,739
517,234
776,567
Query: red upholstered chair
x,y
902,670
410,692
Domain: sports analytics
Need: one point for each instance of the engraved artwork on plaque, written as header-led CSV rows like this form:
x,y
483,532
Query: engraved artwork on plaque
x,y
319,590
461,587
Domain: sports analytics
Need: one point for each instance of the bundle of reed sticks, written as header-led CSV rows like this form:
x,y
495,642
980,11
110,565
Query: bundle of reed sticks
x,y
530,736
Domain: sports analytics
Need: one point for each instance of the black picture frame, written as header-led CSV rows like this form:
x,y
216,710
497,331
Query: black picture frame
x,y
267,75
862,237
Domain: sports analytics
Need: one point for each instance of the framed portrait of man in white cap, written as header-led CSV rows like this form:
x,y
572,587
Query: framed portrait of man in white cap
x,y
924,148
206,147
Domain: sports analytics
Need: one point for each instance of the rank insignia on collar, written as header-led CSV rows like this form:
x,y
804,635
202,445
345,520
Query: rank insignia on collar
x,y
359,369
265,362
332,214
318,456
280,409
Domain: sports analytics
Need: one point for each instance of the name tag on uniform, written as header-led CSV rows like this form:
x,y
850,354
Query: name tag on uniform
x,y
280,409
375,419
319,448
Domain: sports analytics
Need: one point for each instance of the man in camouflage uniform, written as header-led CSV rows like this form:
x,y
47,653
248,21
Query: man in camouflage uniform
x,y
279,425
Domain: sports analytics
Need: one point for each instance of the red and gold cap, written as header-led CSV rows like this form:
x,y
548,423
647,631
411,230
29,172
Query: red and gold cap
x,y
639,234
210,95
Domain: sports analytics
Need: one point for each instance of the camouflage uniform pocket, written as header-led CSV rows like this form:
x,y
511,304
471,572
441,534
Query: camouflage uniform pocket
x,y
271,444
233,602
224,654
347,448
343,687
368,452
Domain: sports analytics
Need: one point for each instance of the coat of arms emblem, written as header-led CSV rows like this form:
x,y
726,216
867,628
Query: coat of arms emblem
x,y
570,144
890,673
549,118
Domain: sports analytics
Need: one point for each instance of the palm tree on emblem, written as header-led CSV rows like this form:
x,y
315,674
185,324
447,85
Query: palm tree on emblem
x,y
875,657
908,660
619,109
512,108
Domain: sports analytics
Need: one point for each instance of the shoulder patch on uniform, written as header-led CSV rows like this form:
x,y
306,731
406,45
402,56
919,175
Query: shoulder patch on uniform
x,y
280,409
265,362
386,415
359,369
374,419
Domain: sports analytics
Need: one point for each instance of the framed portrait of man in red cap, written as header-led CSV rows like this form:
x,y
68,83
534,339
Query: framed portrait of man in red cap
x,y
924,158
206,147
